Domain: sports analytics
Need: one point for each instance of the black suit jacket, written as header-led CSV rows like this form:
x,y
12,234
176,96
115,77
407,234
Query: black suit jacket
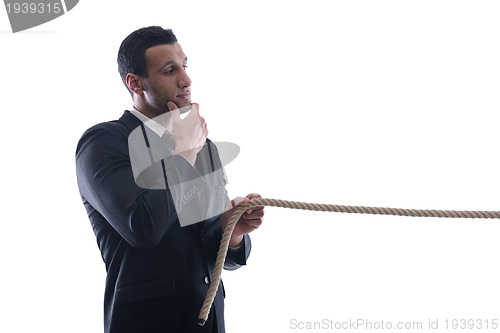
x,y
157,271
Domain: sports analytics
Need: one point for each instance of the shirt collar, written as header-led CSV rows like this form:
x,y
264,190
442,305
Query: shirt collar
x,y
150,123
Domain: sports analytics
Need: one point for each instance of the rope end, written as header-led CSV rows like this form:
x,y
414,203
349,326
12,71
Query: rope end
x,y
201,321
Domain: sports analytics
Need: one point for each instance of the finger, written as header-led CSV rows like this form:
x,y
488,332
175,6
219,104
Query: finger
x,y
202,134
205,130
203,137
253,195
254,223
174,110
235,202
185,109
195,111
256,214
250,210
239,201
196,107
204,125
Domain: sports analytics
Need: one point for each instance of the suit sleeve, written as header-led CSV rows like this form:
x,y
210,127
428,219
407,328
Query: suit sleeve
x,y
105,178
237,258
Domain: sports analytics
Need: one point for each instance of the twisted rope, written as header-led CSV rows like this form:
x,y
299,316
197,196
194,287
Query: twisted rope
x,y
228,231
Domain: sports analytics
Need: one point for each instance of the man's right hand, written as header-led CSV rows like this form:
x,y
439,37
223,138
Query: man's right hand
x,y
189,133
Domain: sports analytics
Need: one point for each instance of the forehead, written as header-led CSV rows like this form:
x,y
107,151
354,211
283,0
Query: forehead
x,y
157,56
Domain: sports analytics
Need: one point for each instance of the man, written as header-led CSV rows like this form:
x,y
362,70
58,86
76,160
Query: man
x,y
158,272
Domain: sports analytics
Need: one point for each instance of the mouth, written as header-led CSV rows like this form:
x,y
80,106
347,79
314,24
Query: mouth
x,y
184,96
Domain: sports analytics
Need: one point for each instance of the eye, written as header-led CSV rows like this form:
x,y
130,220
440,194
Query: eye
x,y
184,67
169,70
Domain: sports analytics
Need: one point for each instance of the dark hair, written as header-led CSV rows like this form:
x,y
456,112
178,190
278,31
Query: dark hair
x,y
131,55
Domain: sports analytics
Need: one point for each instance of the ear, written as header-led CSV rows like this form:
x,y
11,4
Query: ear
x,y
134,83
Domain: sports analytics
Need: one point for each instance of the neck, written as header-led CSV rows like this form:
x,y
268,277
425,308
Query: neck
x,y
163,119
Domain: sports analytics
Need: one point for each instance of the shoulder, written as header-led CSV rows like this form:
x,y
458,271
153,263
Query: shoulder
x,y
101,131
116,127
112,133
119,128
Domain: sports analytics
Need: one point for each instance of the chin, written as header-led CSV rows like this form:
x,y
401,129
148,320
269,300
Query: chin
x,y
185,102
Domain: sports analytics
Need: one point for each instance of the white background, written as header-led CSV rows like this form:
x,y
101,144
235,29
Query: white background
x,y
377,103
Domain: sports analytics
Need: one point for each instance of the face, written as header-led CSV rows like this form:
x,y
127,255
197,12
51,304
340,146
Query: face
x,y
167,78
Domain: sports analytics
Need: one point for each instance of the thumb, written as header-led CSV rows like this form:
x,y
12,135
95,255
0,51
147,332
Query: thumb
x,y
241,201
238,201
194,110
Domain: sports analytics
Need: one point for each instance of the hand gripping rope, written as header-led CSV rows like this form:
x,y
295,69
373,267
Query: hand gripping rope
x,y
226,236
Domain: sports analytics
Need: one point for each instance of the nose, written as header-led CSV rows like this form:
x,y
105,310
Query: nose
x,y
184,80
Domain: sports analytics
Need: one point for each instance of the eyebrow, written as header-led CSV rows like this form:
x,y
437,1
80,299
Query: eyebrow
x,y
171,62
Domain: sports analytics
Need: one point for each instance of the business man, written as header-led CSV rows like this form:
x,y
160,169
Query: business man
x,y
158,271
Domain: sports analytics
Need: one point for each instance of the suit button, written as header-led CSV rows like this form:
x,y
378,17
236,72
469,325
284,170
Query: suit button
x,y
207,280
